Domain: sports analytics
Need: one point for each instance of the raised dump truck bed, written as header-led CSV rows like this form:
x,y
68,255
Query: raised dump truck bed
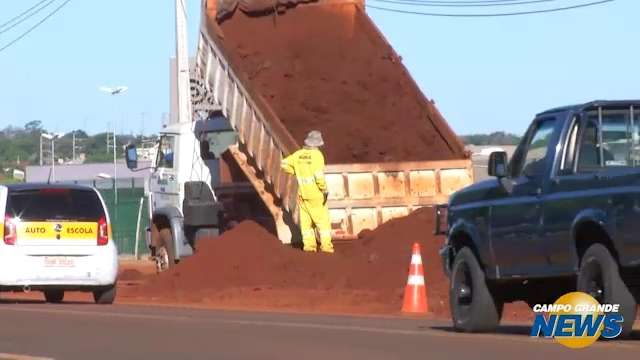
x,y
325,66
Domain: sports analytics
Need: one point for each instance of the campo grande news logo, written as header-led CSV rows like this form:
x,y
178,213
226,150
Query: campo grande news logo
x,y
576,320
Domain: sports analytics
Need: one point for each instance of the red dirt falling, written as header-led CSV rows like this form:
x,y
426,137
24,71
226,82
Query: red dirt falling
x,y
248,267
326,68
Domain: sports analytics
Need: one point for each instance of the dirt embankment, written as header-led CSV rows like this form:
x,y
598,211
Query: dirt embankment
x,y
327,68
247,267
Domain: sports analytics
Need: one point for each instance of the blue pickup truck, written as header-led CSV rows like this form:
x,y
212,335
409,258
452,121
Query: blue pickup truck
x,y
562,215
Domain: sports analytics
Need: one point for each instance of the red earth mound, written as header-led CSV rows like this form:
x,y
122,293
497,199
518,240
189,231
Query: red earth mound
x,y
249,267
327,67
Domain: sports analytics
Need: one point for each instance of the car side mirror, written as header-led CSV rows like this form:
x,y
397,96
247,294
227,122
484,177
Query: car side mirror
x,y
497,164
131,155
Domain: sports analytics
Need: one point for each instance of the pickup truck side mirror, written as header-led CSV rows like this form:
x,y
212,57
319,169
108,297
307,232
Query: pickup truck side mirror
x,y
498,164
131,155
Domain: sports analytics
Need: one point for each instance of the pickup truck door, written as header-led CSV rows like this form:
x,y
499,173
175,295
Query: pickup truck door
x,y
597,177
516,218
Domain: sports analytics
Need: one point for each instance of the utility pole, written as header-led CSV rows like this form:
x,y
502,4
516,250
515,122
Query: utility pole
x,y
182,63
53,160
108,137
77,145
142,115
73,146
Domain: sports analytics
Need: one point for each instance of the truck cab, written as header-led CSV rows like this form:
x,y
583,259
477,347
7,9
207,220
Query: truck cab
x,y
183,205
561,215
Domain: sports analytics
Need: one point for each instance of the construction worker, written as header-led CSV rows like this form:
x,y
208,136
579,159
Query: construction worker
x,y
307,165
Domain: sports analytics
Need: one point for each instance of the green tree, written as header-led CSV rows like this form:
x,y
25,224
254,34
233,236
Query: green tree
x,y
33,126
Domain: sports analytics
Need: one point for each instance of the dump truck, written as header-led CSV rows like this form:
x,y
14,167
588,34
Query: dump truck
x,y
262,78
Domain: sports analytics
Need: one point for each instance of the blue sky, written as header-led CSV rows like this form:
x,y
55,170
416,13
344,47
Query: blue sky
x,y
484,74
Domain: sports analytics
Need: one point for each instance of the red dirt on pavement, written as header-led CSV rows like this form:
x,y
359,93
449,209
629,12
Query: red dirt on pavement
x,y
248,267
327,68
130,275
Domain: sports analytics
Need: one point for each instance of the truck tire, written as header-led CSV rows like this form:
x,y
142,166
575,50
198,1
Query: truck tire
x,y
105,295
473,307
53,296
599,276
166,250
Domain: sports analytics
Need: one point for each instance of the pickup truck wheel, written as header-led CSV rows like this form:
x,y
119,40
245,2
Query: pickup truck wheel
x,y
473,307
53,296
599,277
165,258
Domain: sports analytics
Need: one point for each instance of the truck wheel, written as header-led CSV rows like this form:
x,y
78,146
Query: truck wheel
x,y
599,277
105,295
53,296
165,257
473,307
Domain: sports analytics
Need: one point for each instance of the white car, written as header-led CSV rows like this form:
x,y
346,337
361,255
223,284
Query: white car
x,y
57,238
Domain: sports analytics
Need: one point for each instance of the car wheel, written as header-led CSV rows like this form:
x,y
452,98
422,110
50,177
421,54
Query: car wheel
x,y
599,276
165,258
473,307
54,296
105,295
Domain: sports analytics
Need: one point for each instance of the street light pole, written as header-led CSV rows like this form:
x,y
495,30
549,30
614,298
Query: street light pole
x,y
53,160
52,138
115,167
114,91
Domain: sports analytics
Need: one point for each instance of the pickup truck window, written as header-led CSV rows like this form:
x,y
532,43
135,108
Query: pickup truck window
x,y
615,146
532,161
589,155
635,138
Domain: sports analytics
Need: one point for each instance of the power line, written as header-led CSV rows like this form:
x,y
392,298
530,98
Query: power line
x,y
452,4
27,17
22,14
530,12
35,26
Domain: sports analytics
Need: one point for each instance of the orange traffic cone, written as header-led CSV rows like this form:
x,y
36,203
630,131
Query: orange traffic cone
x,y
415,295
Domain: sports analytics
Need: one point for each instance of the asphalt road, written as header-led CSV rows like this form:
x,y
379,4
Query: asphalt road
x,y
87,331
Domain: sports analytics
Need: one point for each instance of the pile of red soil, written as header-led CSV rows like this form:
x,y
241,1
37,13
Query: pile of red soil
x,y
248,267
327,67
369,273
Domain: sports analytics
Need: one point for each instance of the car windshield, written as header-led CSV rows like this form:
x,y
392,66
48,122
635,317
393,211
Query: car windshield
x,y
55,204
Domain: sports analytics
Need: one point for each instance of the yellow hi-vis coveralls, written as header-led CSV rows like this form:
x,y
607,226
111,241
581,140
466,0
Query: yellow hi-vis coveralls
x,y
307,165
